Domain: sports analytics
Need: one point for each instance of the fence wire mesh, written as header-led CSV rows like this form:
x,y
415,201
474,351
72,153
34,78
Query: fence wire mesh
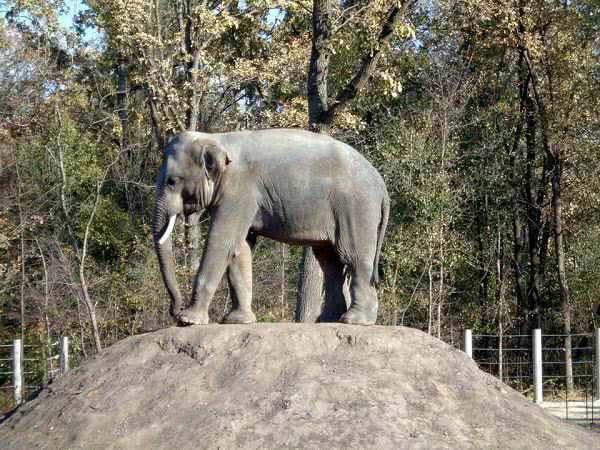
x,y
40,362
510,358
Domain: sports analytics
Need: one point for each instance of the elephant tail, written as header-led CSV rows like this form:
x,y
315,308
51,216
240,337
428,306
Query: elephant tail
x,y
385,214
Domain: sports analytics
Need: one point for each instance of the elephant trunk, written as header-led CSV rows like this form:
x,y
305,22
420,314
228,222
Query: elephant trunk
x,y
164,251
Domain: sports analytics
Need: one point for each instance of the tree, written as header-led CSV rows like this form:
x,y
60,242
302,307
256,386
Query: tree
x,y
383,20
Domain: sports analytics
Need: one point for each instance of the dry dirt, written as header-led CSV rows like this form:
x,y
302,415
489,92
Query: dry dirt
x,y
284,385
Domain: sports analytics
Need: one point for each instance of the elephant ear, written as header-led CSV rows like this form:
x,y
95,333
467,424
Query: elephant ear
x,y
212,156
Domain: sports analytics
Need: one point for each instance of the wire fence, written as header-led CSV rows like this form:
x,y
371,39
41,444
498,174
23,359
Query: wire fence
x,y
25,368
544,377
508,357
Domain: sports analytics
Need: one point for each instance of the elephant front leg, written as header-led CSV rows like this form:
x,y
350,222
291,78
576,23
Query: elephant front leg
x,y
228,227
239,276
214,261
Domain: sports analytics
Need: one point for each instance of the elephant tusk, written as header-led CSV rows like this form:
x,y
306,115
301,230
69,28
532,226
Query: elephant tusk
x,y
205,193
168,231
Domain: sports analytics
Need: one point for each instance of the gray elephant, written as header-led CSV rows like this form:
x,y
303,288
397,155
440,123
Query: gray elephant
x,y
292,186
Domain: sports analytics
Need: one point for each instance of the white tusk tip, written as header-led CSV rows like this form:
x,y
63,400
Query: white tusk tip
x,y
168,231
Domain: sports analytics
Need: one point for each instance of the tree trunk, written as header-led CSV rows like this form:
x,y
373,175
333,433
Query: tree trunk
x,y
517,224
22,246
310,282
483,271
560,262
318,68
547,168
48,340
80,253
156,130
310,288
518,241
285,254
500,298
81,329
534,216
430,274
441,293
122,106
192,237
522,307
89,304
552,167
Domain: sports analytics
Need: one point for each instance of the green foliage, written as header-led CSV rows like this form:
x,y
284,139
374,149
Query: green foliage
x,y
114,233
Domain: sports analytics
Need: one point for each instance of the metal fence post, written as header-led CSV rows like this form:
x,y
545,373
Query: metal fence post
x,y
63,355
17,372
596,379
538,396
468,343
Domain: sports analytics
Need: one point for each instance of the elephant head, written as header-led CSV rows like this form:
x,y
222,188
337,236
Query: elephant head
x,y
189,181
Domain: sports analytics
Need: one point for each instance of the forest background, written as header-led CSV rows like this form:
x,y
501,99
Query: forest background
x,y
483,116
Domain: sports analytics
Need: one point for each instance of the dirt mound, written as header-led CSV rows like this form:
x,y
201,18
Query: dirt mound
x,y
283,385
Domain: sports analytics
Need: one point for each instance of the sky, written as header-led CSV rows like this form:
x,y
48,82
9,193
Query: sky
x,y
93,38
72,9
67,20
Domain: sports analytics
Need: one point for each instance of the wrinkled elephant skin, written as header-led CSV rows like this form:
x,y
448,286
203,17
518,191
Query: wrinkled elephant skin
x,y
292,186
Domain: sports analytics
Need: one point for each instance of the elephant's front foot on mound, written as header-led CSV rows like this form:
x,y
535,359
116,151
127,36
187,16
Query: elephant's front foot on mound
x,y
357,317
191,317
239,316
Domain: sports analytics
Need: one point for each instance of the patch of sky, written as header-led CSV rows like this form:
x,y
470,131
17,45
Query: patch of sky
x,y
89,35
26,70
273,18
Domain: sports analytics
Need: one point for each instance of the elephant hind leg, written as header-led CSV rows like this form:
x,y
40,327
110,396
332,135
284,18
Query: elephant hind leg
x,y
239,278
356,243
333,270
363,308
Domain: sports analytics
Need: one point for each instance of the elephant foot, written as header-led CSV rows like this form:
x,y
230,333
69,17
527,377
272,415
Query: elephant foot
x,y
239,316
175,310
356,317
190,317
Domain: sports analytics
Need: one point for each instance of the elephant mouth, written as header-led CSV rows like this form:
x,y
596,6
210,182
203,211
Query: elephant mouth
x,y
195,199
190,208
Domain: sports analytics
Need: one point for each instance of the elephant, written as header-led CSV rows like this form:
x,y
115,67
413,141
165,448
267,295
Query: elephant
x,y
290,185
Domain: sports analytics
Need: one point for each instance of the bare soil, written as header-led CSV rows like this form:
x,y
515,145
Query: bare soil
x,y
284,385
585,412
